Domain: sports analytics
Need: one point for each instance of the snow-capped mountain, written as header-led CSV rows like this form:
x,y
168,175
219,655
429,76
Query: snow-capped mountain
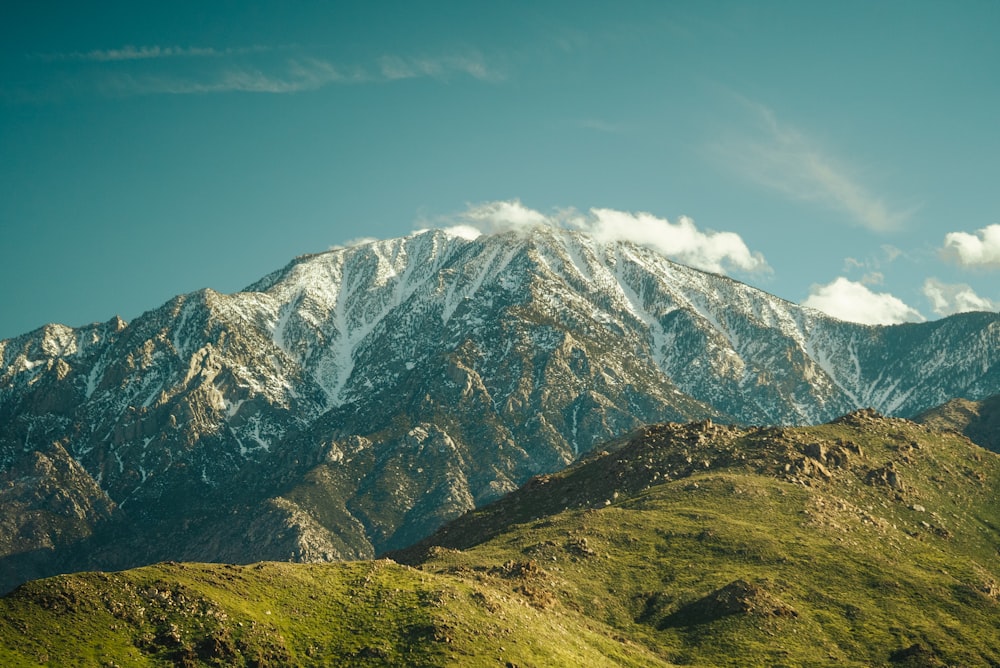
x,y
356,399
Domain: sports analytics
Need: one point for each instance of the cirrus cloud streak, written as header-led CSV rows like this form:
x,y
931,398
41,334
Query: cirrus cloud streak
x,y
296,76
783,159
129,52
155,70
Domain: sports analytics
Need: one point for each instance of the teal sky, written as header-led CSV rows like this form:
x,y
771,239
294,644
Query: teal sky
x,y
150,149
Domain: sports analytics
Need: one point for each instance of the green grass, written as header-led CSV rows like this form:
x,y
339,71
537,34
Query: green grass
x,y
360,614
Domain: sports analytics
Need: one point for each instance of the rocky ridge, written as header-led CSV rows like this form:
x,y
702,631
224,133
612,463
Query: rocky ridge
x,y
355,400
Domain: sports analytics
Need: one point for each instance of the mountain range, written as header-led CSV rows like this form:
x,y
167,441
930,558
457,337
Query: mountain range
x,y
356,400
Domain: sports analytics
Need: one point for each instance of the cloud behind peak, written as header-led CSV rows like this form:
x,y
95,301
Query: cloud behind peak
x,y
855,302
683,241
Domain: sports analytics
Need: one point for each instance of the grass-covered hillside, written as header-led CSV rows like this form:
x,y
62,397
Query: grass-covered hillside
x,y
869,541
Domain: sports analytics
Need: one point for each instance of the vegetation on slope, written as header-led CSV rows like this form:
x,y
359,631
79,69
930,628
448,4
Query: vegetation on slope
x,y
868,541
861,542
370,613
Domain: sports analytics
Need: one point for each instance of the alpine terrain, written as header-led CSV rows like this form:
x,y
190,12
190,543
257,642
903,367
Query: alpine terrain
x,y
354,401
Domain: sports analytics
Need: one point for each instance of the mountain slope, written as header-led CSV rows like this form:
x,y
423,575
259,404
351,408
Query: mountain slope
x,y
979,420
865,542
356,399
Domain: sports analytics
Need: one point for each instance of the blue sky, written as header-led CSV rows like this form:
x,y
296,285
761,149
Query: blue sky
x,y
150,149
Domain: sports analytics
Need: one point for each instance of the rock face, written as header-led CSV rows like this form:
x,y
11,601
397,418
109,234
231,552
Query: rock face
x,y
356,399
52,509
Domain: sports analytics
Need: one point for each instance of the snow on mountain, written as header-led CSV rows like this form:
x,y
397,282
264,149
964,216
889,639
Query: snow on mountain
x,y
358,398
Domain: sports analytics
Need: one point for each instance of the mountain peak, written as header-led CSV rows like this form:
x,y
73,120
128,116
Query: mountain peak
x,y
356,399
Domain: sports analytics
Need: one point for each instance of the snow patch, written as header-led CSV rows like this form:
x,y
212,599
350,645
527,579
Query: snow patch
x,y
278,328
186,310
28,365
94,377
633,302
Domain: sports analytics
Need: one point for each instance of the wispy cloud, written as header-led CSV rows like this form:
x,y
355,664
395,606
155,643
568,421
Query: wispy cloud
x,y
872,265
129,52
682,241
855,302
153,70
294,76
781,158
393,68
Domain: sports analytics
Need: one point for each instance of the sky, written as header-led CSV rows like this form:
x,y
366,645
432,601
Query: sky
x,y
842,155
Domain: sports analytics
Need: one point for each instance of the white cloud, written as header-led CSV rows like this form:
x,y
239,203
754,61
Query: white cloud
x,y
711,251
785,160
681,241
949,298
854,302
358,241
503,216
980,249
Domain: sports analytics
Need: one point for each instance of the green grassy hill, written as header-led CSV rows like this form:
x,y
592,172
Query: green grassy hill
x,y
869,541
